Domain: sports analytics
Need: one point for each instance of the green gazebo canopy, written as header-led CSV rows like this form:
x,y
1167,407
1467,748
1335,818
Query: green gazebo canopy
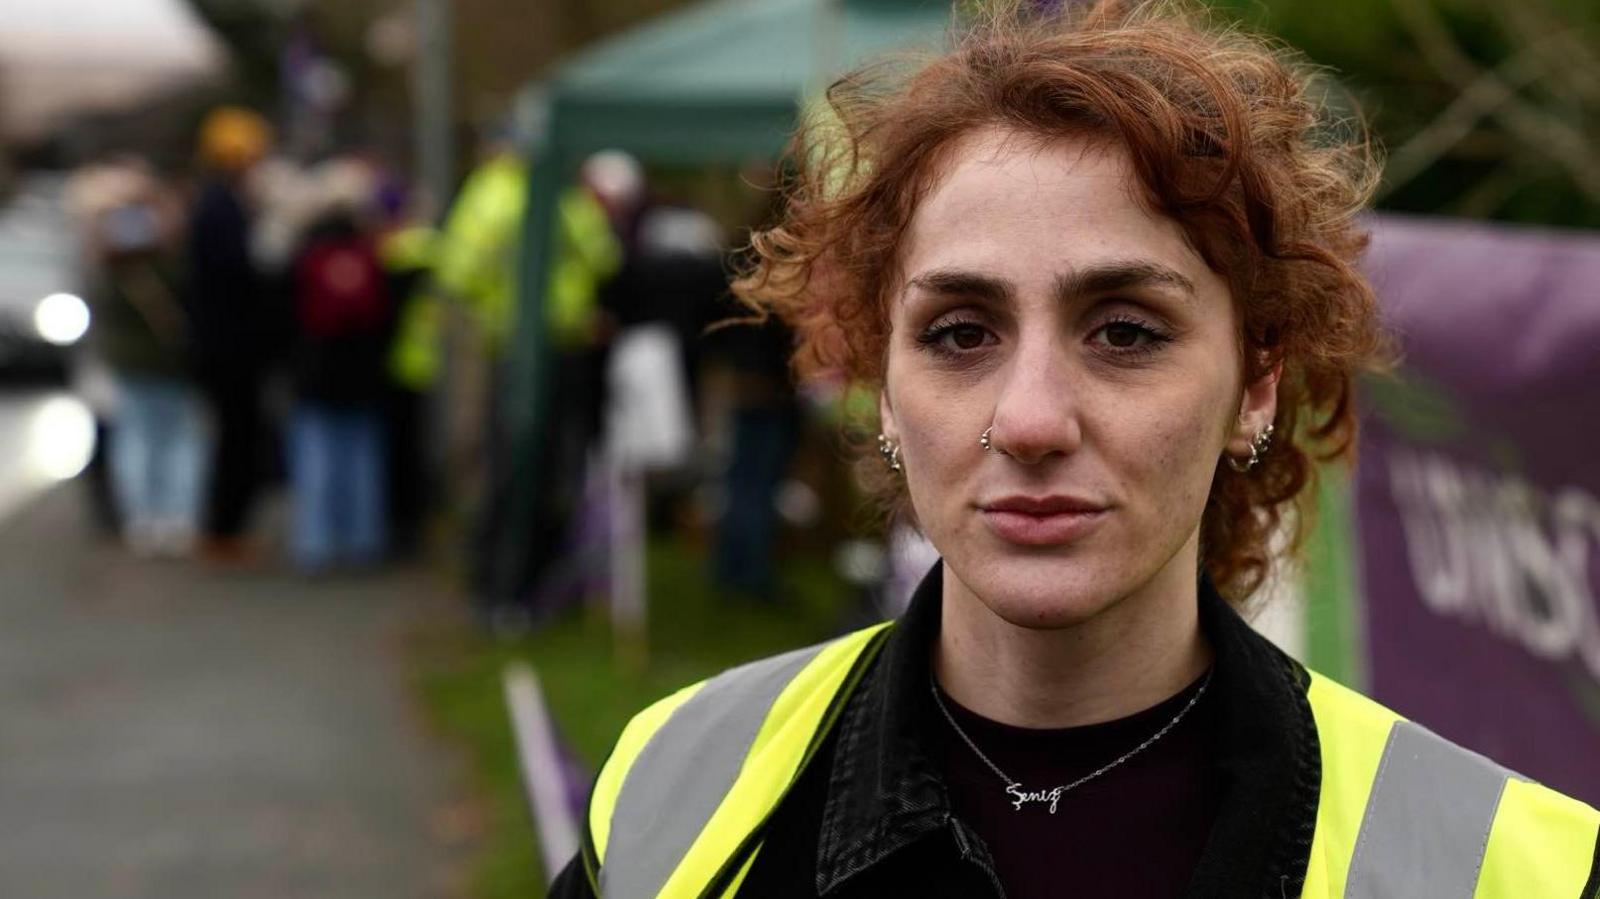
x,y
718,83
722,81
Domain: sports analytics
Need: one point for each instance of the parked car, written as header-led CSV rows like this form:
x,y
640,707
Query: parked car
x,y
42,316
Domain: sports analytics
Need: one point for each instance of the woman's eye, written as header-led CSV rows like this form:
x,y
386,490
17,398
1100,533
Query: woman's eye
x,y
954,338
1130,339
1123,335
966,337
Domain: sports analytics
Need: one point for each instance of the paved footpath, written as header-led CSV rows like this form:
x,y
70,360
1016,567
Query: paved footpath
x,y
170,731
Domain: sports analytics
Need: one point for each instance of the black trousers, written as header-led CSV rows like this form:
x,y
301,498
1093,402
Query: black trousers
x,y
410,474
234,395
510,560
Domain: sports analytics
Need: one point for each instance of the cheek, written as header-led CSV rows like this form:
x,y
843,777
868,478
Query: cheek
x,y
1189,455
1173,446
938,431
932,429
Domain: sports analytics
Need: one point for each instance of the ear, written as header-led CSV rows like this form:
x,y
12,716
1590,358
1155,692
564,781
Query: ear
x,y
886,423
1258,406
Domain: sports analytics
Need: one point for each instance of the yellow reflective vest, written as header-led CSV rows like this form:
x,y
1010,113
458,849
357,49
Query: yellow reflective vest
x,y
414,353
1401,812
473,259
477,253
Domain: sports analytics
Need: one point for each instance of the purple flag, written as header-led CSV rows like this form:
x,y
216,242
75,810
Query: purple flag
x,y
1478,493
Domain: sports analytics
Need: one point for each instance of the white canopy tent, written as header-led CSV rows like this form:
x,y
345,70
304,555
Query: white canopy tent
x,y
63,57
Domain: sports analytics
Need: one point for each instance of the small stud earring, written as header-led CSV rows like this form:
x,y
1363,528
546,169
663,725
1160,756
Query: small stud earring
x,y
890,451
1258,447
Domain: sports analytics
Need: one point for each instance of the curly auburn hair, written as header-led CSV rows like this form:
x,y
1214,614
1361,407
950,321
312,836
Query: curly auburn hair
x,y
1227,136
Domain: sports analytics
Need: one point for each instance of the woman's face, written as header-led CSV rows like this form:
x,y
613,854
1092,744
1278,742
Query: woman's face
x,y
1041,298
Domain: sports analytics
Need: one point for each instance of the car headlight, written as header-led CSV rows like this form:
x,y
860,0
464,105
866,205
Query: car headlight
x,y
60,439
61,319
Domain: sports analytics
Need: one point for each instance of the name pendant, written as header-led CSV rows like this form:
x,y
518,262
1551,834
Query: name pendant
x,y
1019,796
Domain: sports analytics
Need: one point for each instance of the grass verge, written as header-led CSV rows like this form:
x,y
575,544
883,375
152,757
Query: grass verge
x,y
593,689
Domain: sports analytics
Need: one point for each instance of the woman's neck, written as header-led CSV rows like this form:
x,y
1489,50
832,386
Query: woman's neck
x,y
1141,649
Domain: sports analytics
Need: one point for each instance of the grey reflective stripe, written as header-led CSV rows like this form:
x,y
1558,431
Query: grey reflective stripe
x,y
1427,819
680,777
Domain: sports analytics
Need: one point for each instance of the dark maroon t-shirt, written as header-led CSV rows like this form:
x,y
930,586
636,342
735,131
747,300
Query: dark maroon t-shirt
x,y
1135,832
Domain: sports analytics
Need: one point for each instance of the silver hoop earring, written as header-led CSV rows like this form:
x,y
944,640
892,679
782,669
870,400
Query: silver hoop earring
x,y
890,451
1258,448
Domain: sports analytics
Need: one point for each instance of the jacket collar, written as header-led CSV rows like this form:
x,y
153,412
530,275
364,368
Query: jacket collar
x,y
884,791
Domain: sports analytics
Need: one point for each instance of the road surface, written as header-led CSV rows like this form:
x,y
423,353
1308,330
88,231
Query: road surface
x,y
167,730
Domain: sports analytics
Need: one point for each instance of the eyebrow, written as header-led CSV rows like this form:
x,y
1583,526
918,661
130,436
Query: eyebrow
x,y
1101,278
960,282
1110,277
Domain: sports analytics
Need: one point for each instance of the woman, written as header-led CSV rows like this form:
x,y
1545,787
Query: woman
x,y
1101,271
141,329
232,333
343,315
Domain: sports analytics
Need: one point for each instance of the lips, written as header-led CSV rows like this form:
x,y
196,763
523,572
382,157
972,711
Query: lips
x,y
1042,520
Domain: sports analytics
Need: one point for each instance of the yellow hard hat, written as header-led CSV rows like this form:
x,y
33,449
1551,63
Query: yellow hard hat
x,y
233,138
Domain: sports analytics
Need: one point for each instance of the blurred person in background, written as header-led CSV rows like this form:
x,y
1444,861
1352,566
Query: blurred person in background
x,y
1099,265
232,327
764,431
674,273
594,218
474,277
408,249
342,312
678,274
764,427
158,447
476,270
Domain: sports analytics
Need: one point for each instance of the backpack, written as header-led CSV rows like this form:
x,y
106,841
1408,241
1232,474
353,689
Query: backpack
x,y
340,289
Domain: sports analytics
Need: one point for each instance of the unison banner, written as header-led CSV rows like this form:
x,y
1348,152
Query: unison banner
x,y
1477,494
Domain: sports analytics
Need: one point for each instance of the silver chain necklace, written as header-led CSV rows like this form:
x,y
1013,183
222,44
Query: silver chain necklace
x,y
1014,789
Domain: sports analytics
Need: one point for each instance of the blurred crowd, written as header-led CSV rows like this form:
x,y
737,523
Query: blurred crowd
x,y
203,285
261,320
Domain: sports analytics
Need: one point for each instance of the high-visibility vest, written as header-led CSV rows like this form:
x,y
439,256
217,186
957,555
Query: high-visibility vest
x,y
414,353
1402,812
476,255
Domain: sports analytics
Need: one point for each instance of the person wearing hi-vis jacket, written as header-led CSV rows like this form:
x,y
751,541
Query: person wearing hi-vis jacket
x,y
1098,265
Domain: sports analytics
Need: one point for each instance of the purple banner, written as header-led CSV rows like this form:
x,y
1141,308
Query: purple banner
x,y
1478,494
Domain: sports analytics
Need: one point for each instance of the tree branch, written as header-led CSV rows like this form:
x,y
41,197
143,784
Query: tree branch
x,y
1539,129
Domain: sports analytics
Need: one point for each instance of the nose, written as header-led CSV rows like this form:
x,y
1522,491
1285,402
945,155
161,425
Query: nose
x,y
1037,414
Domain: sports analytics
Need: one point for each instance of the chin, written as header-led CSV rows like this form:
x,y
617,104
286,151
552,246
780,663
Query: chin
x,y
1039,591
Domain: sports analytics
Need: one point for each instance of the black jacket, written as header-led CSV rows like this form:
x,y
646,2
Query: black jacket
x,y
869,817
232,329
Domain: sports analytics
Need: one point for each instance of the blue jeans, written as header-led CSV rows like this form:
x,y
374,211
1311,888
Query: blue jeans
x,y
337,471
763,443
158,454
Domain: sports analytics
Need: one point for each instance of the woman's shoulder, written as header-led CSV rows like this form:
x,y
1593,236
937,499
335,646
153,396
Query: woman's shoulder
x,y
750,705
717,748
1338,706
1389,780
773,686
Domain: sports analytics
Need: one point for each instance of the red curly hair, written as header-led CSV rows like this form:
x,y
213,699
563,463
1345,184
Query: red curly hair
x,y
1228,136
